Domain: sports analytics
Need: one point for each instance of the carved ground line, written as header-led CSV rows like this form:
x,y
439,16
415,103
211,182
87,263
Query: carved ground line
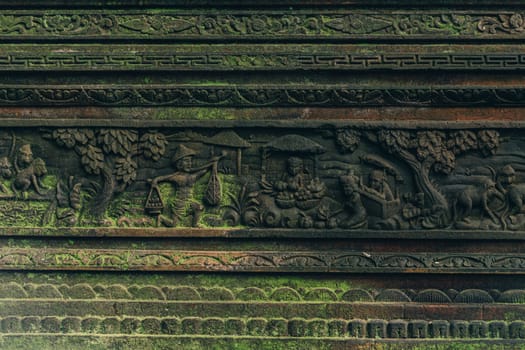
x,y
258,233
219,124
259,96
174,260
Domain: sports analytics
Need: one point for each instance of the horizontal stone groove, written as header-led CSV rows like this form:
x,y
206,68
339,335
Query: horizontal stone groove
x,y
259,96
263,25
244,3
258,233
267,327
221,123
257,261
260,57
185,293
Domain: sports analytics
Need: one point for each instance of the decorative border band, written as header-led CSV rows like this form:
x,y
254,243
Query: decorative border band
x,y
255,261
239,58
262,25
258,96
265,327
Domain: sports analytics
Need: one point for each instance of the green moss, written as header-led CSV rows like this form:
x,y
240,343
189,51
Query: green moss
x,y
50,182
194,113
445,345
157,343
205,280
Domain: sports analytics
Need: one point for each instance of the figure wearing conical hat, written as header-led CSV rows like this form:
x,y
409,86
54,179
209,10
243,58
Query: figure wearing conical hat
x,y
183,179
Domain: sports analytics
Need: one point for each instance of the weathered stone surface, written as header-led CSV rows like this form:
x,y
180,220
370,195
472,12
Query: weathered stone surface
x,y
311,174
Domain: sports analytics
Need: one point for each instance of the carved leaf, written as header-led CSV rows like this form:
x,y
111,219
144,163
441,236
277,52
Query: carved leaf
x,y
92,159
510,262
201,260
117,141
65,137
154,260
15,259
457,262
253,260
155,24
153,145
301,261
108,260
353,261
126,170
402,262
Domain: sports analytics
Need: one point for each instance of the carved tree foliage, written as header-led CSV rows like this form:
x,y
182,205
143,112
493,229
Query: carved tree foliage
x,y
110,153
425,152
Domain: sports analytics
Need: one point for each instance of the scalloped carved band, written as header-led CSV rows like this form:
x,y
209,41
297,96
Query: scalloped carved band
x,y
259,96
101,292
257,261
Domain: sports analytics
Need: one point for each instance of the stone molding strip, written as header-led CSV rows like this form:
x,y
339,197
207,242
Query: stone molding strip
x,y
258,96
263,25
258,261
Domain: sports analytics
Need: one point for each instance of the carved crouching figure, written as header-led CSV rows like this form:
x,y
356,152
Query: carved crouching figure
x,y
355,211
30,176
6,172
477,196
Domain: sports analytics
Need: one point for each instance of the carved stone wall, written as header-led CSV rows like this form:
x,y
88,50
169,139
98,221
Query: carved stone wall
x,y
230,174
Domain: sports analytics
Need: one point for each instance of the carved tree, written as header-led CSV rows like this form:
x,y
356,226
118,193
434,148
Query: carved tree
x,y
111,154
425,152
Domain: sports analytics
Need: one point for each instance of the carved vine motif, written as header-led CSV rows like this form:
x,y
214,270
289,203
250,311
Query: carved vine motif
x,y
256,261
267,96
357,23
346,178
504,23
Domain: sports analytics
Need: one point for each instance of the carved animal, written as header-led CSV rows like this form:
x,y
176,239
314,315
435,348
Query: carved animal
x,y
477,196
6,171
30,177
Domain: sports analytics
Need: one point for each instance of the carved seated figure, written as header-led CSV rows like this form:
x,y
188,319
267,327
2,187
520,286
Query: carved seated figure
x,y
29,172
297,188
295,178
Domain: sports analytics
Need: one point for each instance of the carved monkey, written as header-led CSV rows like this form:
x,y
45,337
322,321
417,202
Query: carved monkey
x,y
515,198
30,177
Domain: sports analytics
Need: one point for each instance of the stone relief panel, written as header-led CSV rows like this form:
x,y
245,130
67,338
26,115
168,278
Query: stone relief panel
x,y
347,178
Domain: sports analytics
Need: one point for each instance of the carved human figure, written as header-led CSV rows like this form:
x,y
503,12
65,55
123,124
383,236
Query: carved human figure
x,y
378,185
505,178
514,192
354,213
183,179
296,177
